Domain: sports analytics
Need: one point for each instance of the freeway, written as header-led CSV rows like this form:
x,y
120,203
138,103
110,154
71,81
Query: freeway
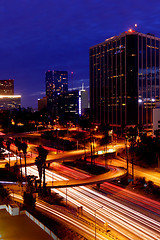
x,y
149,174
80,225
109,176
125,220
114,191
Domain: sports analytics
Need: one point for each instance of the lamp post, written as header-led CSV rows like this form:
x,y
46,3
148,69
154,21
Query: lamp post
x,y
66,191
95,218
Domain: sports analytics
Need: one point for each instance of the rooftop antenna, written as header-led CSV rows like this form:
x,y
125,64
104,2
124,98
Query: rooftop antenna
x,y
82,86
72,80
135,27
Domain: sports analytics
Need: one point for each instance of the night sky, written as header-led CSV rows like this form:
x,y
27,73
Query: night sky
x,y
41,35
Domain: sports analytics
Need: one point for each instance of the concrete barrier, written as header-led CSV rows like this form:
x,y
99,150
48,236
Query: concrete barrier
x,y
41,225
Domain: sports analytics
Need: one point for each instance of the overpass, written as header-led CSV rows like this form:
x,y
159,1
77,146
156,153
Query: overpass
x,y
113,173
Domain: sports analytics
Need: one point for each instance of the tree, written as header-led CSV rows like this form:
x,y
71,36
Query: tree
x,y
104,128
29,201
24,149
4,194
8,143
41,164
1,143
19,147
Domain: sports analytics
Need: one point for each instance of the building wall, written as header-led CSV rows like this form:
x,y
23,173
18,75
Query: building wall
x,y
56,82
7,87
42,103
125,79
156,120
68,103
83,101
10,102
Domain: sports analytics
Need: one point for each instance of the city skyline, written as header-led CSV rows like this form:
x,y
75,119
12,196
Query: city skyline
x,y
39,36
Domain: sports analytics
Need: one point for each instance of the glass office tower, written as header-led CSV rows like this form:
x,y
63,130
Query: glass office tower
x,y
56,82
125,79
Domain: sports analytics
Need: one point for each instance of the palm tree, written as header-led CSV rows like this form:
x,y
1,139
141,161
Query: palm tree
x,y
24,149
8,143
1,143
19,147
41,164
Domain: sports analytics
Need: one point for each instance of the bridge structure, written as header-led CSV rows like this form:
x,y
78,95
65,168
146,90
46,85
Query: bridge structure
x,y
111,175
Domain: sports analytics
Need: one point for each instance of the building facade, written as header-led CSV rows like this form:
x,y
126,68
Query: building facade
x,y
83,101
7,87
42,103
10,102
125,79
68,104
56,82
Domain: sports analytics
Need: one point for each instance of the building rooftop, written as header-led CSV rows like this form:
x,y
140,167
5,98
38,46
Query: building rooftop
x,y
20,227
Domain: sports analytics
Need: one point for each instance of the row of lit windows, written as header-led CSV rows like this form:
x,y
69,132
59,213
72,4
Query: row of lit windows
x,y
152,47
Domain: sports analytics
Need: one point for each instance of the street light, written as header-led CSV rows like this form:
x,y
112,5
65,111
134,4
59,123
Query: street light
x,y
66,191
95,218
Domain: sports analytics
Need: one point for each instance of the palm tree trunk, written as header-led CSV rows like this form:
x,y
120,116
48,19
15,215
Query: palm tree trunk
x,y
20,165
25,164
44,177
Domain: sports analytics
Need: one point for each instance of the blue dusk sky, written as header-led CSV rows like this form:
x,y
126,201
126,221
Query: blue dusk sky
x,y
41,35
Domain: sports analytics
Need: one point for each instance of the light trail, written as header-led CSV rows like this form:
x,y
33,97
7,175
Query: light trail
x,y
73,221
118,192
118,215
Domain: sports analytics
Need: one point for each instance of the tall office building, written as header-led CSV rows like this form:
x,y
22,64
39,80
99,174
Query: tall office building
x,y
7,87
56,82
83,101
125,79
68,104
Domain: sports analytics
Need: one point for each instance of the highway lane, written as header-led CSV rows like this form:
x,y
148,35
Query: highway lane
x,y
127,221
149,174
116,192
86,229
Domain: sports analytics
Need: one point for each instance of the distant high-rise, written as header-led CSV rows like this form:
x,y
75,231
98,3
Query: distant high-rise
x,y
125,79
7,87
83,100
68,104
8,100
56,82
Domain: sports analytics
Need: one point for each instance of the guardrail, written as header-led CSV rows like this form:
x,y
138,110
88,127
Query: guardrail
x,y
41,225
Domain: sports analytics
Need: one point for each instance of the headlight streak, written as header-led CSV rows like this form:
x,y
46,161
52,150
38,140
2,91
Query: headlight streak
x,y
92,195
66,218
150,205
111,214
122,206
71,220
134,198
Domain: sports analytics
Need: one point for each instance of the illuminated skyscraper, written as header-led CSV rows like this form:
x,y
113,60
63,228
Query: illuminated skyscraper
x,y
56,82
125,79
